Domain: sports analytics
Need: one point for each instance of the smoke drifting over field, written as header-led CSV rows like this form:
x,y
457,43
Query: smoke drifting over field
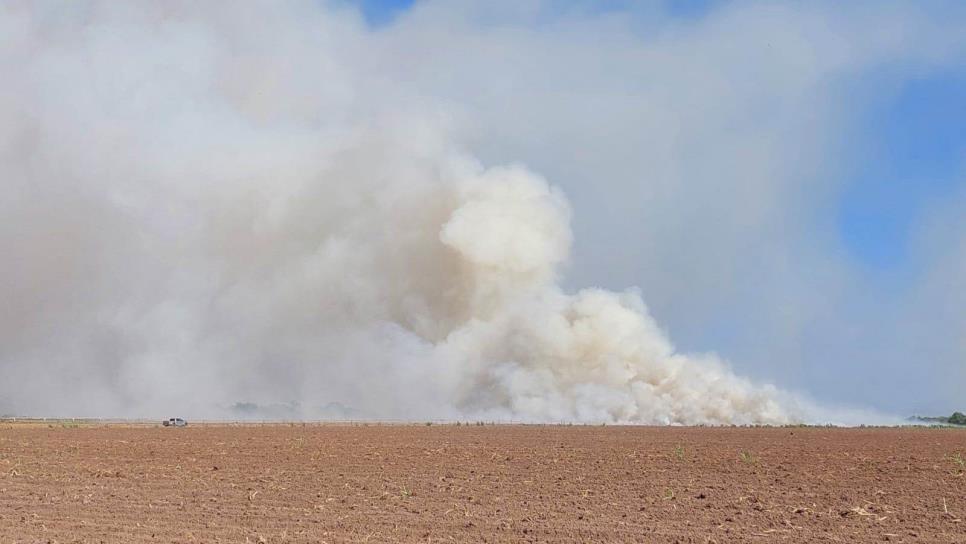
x,y
207,207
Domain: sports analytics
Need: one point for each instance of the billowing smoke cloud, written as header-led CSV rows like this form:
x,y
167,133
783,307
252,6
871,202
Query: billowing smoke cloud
x,y
209,207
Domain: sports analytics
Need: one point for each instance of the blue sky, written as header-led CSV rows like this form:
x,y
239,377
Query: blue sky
x,y
916,147
379,12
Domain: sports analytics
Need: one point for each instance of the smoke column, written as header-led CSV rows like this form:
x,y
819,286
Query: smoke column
x,y
203,206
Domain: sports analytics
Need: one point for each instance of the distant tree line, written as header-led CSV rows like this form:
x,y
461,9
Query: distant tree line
x,y
958,418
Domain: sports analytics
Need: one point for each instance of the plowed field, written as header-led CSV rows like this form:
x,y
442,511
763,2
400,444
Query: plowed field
x,y
445,483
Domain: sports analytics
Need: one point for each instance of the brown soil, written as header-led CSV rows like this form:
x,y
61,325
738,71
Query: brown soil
x,y
386,483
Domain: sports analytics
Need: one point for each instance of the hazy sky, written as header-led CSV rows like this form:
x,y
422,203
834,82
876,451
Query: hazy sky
x,y
284,201
786,182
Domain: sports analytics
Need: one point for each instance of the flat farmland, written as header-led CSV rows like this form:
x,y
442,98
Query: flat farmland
x,y
469,483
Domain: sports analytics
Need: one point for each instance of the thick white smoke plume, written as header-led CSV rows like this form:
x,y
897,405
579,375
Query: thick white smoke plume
x,y
207,206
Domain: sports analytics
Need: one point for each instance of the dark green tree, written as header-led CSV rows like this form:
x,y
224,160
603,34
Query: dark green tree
x,y
958,418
